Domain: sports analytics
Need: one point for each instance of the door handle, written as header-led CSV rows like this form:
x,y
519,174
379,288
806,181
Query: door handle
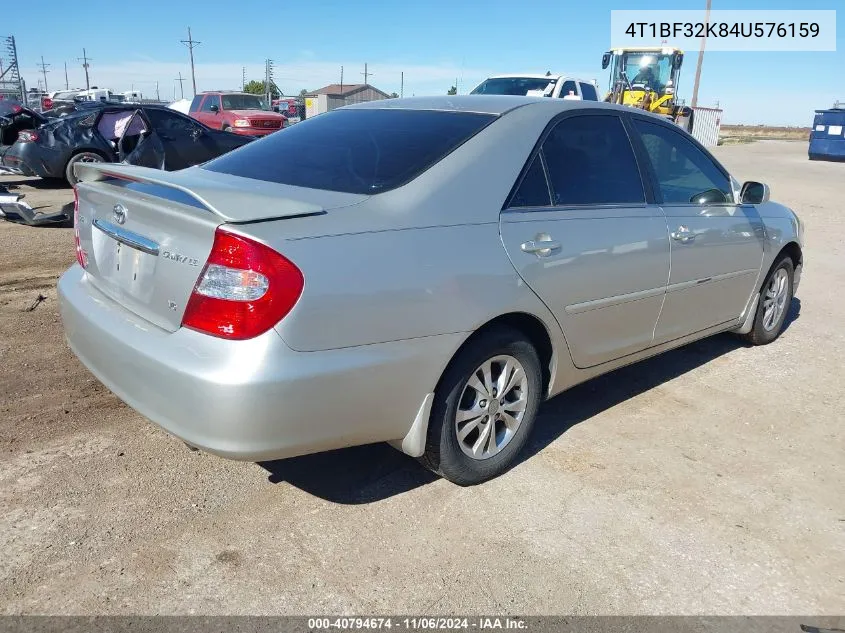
x,y
683,235
541,246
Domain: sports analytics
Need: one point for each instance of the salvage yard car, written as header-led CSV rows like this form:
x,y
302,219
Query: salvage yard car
x,y
237,112
151,136
426,273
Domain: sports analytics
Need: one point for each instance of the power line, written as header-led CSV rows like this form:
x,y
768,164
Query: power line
x,y
85,59
191,43
44,72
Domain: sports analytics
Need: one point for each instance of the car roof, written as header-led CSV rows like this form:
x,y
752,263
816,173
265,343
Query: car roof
x,y
528,76
483,104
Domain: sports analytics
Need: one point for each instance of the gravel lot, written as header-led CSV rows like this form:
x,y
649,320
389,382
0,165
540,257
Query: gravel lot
x,y
709,480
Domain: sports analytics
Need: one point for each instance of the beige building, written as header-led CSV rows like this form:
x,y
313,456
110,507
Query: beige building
x,y
337,95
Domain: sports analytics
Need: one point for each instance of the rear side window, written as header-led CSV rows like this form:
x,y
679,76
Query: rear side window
x,y
591,161
534,190
354,151
588,92
195,104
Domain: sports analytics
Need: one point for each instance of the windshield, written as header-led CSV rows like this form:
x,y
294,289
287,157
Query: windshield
x,y
648,69
355,151
244,102
517,86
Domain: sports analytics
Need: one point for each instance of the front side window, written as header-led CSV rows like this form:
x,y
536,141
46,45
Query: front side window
x,y
210,100
365,151
568,89
170,122
685,175
591,162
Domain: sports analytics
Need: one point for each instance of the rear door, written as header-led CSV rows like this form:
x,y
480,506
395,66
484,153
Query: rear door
x,y
582,232
716,244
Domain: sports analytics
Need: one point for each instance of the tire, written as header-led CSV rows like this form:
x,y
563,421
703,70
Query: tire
x,y
81,157
448,455
227,128
776,291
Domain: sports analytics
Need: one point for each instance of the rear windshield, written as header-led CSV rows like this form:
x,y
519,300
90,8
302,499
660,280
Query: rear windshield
x,y
354,151
517,86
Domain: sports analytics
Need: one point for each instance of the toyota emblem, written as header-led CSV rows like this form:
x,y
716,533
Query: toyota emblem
x,y
119,213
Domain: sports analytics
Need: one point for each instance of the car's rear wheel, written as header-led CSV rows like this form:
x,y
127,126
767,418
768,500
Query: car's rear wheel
x,y
81,157
484,408
773,307
227,128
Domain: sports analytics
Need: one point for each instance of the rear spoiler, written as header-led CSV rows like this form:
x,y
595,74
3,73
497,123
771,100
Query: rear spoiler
x,y
198,193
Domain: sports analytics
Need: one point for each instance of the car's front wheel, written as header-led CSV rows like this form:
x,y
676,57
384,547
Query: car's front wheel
x,y
81,157
484,408
773,307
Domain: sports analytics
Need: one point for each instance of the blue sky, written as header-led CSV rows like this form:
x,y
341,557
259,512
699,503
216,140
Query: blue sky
x,y
433,42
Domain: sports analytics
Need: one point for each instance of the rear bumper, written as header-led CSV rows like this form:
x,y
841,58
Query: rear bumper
x,y
252,400
29,159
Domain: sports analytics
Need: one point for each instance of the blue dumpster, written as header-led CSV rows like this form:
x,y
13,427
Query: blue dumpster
x,y
827,140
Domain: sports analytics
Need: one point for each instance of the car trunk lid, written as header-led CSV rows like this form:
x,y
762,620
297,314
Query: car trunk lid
x,y
147,234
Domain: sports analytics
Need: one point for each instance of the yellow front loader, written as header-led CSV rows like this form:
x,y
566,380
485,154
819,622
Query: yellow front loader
x,y
647,78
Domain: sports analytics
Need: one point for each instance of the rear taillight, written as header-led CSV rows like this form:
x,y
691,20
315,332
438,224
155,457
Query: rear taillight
x,y
81,255
244,289
27,136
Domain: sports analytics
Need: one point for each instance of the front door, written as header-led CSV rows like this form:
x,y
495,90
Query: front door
x,y
185,142
716,244
586,240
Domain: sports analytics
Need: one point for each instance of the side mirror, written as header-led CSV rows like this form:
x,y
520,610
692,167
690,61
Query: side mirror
x,y
711,196
754,193
679,59
215,108
605,60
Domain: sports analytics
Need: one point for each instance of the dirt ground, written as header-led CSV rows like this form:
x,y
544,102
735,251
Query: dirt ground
x,y
709,480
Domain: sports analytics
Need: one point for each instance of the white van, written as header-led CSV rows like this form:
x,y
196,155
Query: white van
x,y
96,94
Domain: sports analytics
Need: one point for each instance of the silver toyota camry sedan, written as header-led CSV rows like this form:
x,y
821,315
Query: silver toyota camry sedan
x,y
423,272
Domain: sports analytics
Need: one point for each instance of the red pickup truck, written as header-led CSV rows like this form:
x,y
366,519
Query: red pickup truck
x,y
237,112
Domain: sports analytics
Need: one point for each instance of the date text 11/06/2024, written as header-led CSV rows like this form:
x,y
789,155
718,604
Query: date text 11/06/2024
x,y
723,29
416,624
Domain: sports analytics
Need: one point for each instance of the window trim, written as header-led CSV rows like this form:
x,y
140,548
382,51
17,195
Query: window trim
x,y
645,177
639,147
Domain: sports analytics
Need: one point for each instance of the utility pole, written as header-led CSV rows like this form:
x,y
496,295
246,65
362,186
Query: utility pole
x,y
191,43
268,81
44,72
243,78
158,98
341,80
366,74
181,86
694,101
85,65
67,84
402,86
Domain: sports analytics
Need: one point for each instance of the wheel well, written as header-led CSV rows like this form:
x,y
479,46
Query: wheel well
x,y
794,251
532,328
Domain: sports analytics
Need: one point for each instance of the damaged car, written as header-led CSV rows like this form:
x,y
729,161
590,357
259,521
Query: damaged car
x,y
150,136
14,119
